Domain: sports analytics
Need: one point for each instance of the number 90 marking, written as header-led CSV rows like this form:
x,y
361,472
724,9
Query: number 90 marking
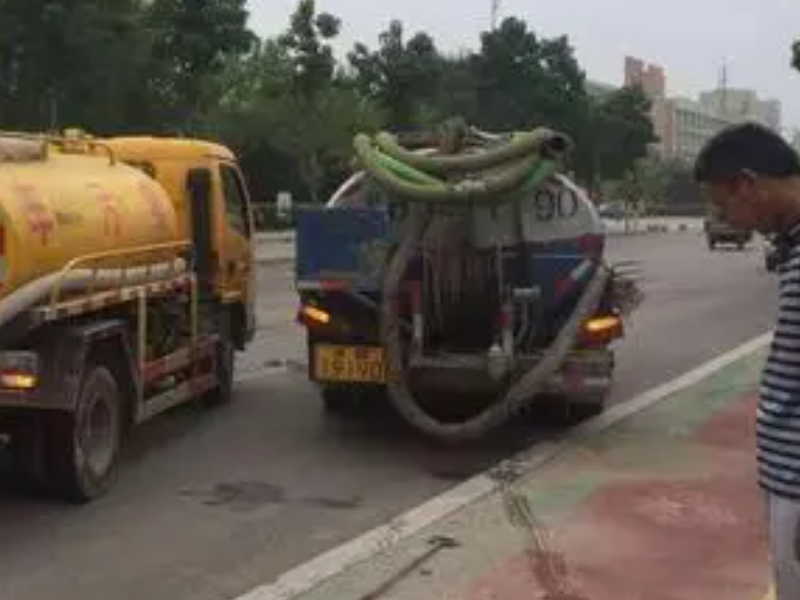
x,y
550,205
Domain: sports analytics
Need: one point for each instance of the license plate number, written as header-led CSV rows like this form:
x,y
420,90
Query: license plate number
x,y
359,364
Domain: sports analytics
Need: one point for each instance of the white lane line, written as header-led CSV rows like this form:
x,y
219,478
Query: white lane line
x,y
311,574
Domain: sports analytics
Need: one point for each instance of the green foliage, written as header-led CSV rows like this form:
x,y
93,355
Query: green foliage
x,y
523,81
285,107
192,67
115,65
322,139
312,59
191,42
401,76
623,131
653,185
70,62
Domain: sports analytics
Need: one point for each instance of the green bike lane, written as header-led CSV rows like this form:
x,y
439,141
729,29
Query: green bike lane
x,y
660,505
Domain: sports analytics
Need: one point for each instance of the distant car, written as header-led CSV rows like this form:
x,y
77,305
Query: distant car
x,y
615,212
719,231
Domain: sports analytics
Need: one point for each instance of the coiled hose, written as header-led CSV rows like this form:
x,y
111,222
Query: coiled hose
x,y
406,175
516,398
505,169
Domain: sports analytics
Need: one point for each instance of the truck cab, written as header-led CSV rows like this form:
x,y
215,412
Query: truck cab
x,y
214,210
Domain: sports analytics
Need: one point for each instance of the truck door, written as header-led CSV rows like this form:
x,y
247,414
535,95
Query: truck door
x,y
238,263
198,185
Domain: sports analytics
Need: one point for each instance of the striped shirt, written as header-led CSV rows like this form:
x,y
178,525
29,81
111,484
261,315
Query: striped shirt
x,y
778,418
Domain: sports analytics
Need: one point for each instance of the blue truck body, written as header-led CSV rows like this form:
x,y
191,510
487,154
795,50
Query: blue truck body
x,y
349,246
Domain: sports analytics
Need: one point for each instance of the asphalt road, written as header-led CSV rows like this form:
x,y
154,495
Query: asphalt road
x,y
212,502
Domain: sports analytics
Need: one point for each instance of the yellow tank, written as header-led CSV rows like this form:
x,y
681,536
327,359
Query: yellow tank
x,y
59,205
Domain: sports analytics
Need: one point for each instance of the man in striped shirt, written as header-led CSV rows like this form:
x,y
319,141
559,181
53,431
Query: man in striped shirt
x,y
753,176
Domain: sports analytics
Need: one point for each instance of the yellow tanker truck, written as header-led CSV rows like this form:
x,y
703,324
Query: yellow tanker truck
x,y
126,286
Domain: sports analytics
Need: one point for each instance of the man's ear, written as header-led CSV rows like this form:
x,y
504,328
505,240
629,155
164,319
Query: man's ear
x,y
746,182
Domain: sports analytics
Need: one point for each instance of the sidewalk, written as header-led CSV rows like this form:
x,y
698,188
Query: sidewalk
x,y
278,246
662,505
274,247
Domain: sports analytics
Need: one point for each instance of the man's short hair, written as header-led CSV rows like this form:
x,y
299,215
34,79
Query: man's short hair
x,y
746,146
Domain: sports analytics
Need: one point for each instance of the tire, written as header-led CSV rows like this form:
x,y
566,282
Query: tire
x,y
225,362
563,411
586,409
740,246
712,244
226,357
83,446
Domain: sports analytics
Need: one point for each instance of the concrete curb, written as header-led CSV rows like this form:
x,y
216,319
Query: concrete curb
x,y
274,260
262,237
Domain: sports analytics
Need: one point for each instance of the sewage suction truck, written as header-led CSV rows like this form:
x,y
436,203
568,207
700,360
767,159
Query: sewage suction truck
x,y
461,274
126,286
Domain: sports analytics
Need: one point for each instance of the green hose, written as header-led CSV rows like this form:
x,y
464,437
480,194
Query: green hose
x,y
496,173
522,144
410,183
383,165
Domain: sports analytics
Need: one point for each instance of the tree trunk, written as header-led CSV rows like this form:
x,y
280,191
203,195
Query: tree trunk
x,y
311,173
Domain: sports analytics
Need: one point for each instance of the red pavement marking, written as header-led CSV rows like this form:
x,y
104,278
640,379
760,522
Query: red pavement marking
x,y
660,539
733,428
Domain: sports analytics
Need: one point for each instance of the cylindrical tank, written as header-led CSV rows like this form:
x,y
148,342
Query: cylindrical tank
x,y
60,206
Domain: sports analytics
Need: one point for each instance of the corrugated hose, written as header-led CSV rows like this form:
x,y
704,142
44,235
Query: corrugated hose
x,y
500,173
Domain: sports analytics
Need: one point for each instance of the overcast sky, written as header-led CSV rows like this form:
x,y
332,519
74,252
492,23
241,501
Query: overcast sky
x,y
690,39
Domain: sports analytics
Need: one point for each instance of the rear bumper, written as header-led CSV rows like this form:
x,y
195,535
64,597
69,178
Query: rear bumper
x,y
584,374
585,387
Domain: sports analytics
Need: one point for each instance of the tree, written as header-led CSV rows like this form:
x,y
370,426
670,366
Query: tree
x,y
657,185
623,131
192,42
457,92
320,142
524,82
312,59
70,63
402,77
287,111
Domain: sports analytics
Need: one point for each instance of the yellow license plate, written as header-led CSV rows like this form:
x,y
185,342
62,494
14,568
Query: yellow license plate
x,y
359,364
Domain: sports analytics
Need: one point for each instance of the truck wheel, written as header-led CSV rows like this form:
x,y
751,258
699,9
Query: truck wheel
x,y
226,357
587,407
83,446
564,411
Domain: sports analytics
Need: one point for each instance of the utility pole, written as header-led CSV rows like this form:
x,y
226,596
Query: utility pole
x,y
495,13
724,86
